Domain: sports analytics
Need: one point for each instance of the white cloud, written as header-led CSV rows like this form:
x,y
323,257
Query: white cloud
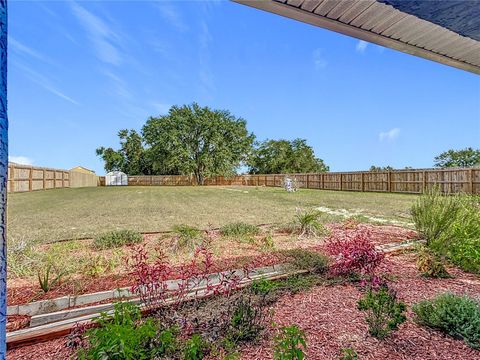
x,y
389,135
44,82
361,46
171,14
318,60
103,38
22,160
20,48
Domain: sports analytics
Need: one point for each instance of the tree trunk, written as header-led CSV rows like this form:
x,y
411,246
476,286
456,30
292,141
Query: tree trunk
x,y
3,176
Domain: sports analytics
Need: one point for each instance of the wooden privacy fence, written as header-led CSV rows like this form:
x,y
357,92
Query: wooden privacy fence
x,y
22,178
456,180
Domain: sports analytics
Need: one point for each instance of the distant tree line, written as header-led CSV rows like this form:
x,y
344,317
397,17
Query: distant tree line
x,y
202,142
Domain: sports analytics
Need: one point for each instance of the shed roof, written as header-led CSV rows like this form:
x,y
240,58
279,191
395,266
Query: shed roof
x,y
446,31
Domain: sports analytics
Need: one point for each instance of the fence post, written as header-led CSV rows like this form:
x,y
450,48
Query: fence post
x,y
308,182
341,181
322,181
63,179
471,181
54,179
363,181
424,181
11,171
389,179
30,180
44,180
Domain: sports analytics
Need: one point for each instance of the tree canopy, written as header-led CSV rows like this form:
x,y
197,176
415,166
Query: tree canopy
x,y
198,141
467,157
283,157
130,158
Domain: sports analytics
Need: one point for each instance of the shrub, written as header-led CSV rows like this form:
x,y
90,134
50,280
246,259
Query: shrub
x,y
457,316
186,236
46,283
384,312
307,223
195,348
263,286
121,336
354,253
240,231
312,261
429,264
349,354
118,238
247,320
434,213
290,343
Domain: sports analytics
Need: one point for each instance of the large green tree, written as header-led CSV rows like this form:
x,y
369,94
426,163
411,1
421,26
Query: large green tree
x,y
198,141
467,157
283,157
131,158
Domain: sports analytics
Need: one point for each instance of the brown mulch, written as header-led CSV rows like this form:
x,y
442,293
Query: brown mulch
x,y
331,321
50,350
17,322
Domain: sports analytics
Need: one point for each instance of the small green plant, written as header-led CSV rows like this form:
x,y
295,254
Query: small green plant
x,y
457,316
247,321
290,343
429,264
186,236
308,224
117,238
384,312
298,283
349,354
195,348
45,281
267,243
312,261
263,286
121,335
240,231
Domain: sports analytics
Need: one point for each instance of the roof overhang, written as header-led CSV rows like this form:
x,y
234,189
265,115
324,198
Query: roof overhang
x,y
395,25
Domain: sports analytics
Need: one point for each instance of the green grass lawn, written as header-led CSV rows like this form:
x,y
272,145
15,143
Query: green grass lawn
x,y
46,216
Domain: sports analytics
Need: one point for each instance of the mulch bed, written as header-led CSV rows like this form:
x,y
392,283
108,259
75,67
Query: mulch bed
x,y
331,321
381,235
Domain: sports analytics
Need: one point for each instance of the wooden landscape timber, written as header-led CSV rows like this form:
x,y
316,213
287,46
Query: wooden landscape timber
x,y
411,181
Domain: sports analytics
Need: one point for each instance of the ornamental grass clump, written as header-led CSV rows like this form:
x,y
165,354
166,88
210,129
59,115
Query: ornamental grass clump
x,y
457,316
186,236
240,231
117,238
307,224
384,311
354,253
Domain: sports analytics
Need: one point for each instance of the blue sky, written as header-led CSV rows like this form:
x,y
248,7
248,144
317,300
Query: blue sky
x,y
81,71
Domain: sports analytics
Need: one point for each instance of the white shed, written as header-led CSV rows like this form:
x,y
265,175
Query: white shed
x,y
116,178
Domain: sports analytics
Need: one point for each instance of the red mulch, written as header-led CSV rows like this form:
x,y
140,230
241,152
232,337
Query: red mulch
x,y
17,322
51,350
331,321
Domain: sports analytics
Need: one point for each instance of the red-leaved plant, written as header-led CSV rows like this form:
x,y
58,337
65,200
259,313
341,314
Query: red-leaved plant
x,y
197,276
354,253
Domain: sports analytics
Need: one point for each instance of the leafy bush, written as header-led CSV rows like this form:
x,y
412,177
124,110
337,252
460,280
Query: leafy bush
x,y
349,354
384,311
464,237
457,316
195,348
312,261
290,343
46,283
451,226
186,236
240,231
307,223
121,336
429,264
354,253
117,238
247,320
